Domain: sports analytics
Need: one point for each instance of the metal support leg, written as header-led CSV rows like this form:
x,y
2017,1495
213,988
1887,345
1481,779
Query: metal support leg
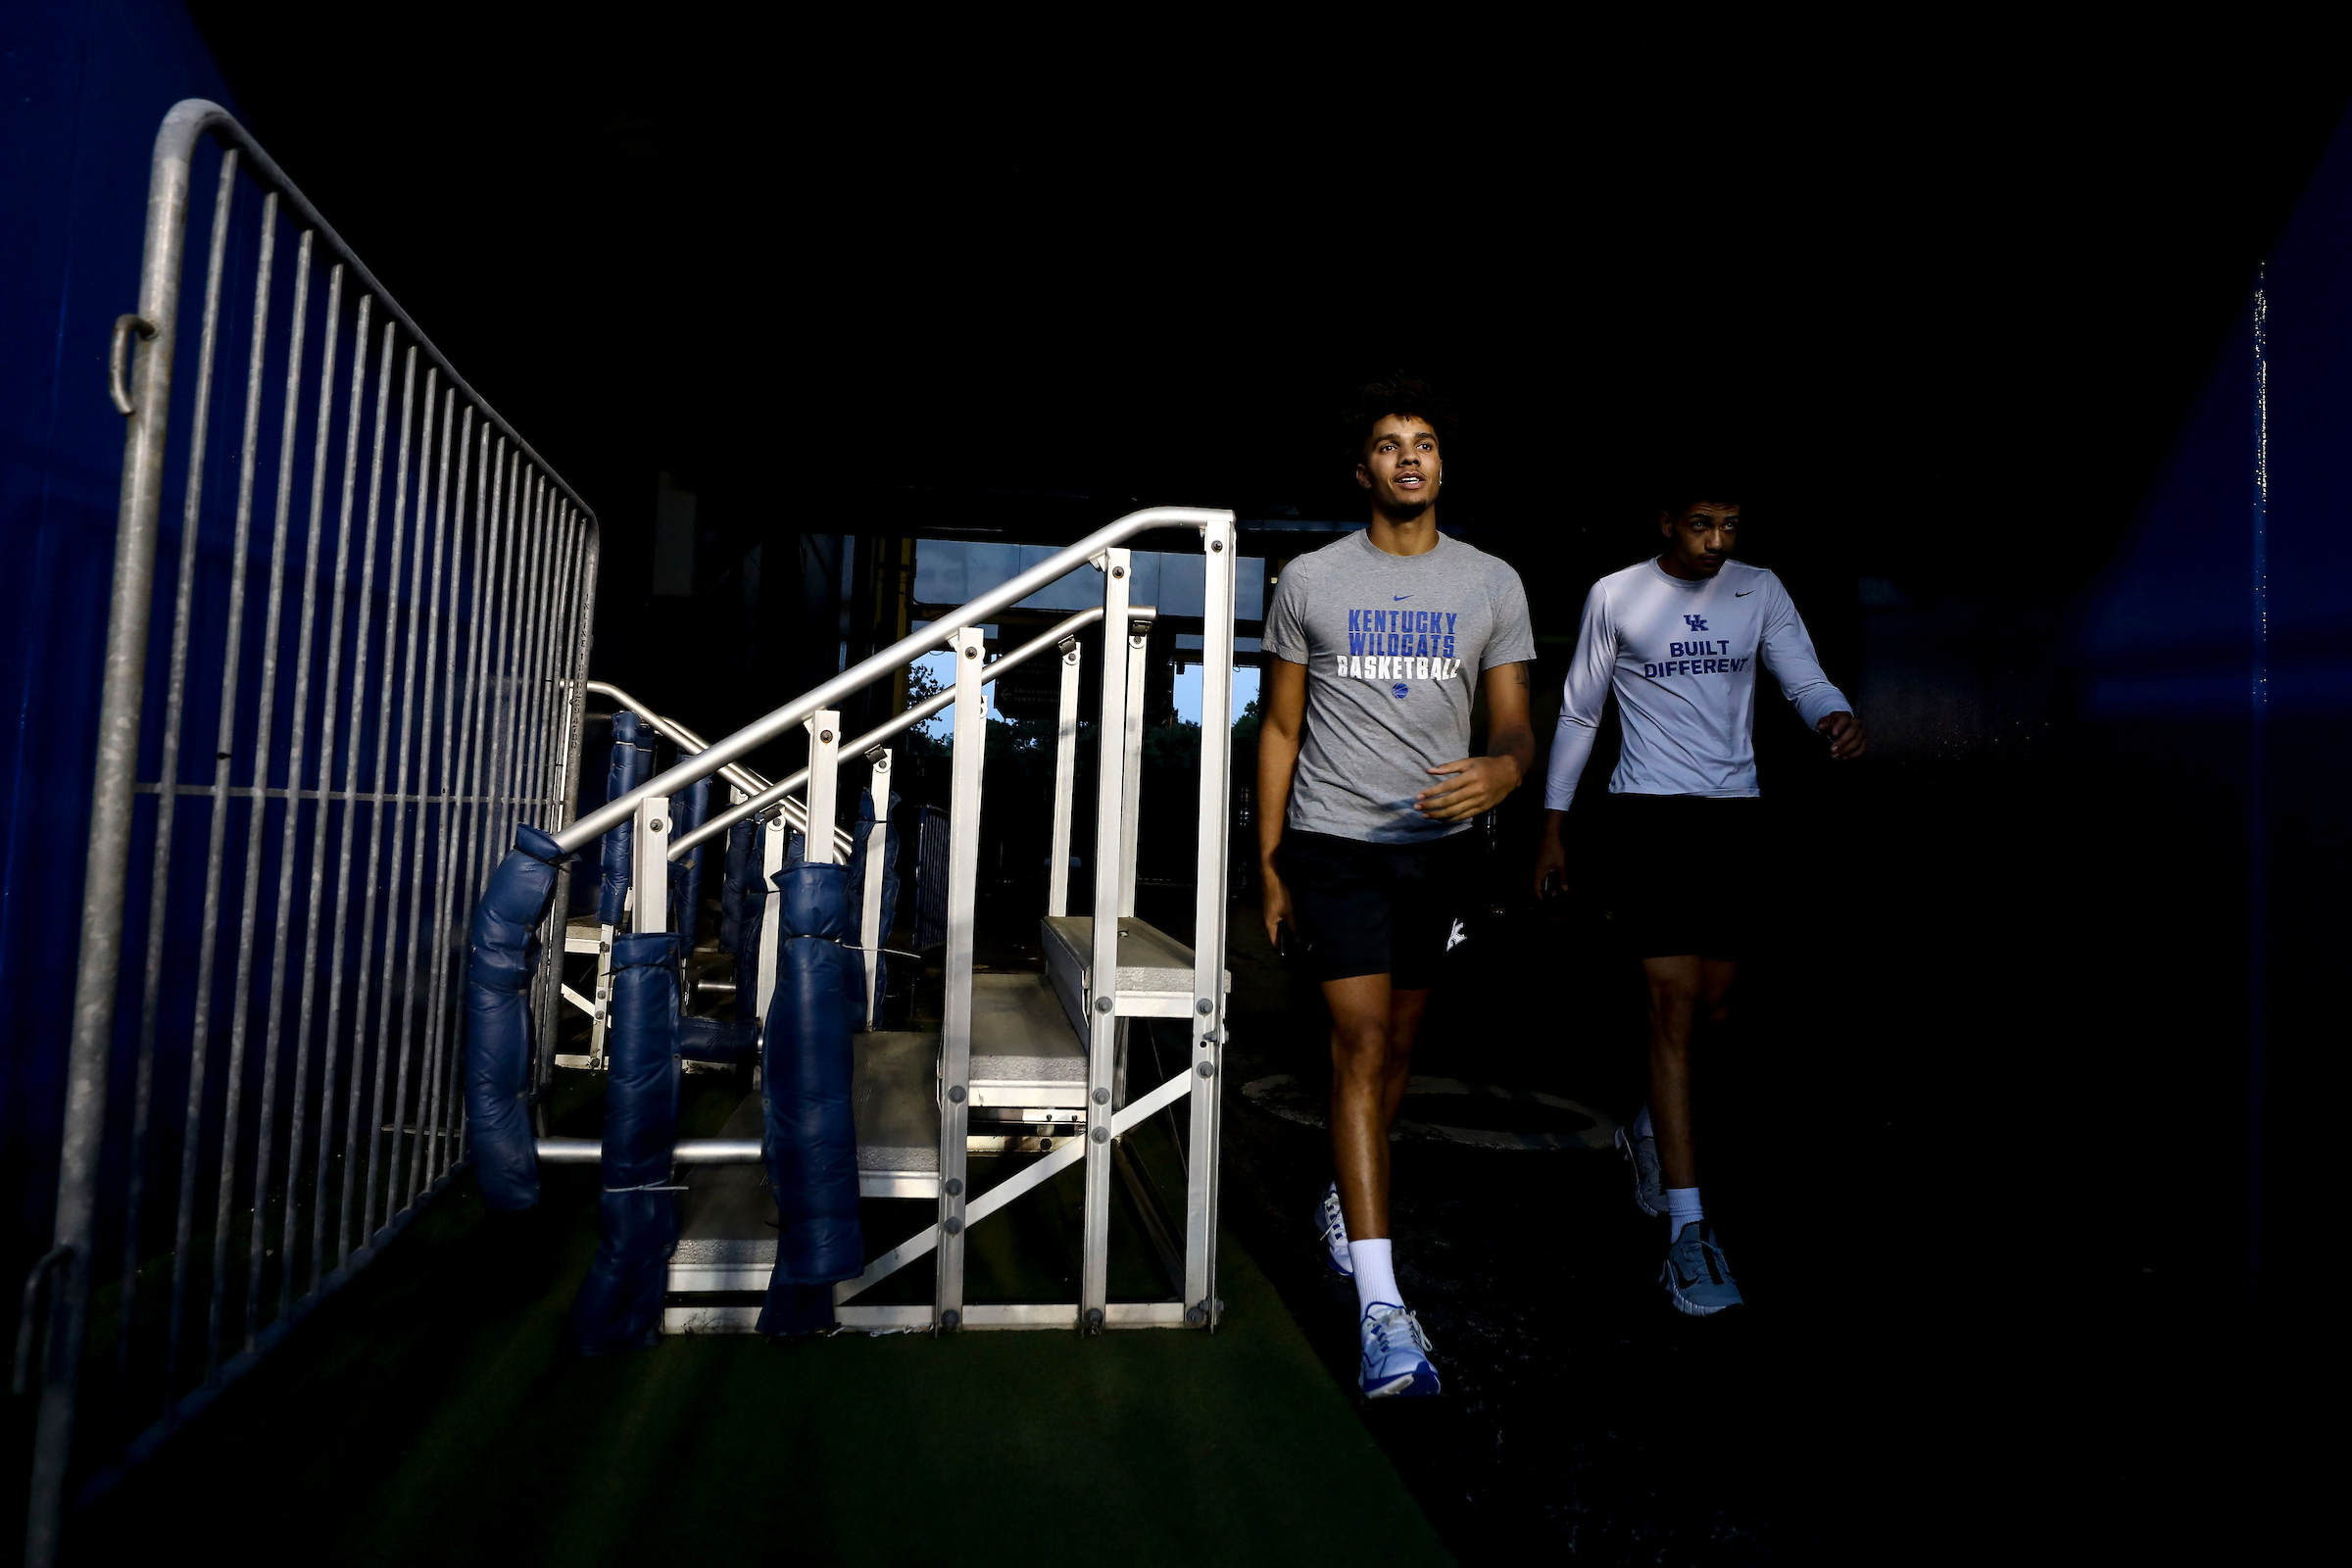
x,y
650,877
871,936
1065,783
955,1026
1209,926
604,998
1109,862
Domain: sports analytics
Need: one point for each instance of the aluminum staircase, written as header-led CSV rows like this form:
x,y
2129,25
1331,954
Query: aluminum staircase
x,y
1031,1071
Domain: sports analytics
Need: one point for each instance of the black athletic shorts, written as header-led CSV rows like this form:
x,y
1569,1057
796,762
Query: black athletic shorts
x,y
1376,908
1686,872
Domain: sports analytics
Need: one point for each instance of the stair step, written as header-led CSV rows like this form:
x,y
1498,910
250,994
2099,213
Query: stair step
x,y
1156,970
1024,1051
726,1241
1025,1057
894,1097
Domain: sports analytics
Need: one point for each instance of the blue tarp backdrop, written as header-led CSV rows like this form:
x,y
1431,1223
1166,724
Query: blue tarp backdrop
x,y
83,84
2217,671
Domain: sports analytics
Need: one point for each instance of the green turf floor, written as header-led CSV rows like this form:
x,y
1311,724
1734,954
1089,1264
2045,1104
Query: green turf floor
x,y
431,1414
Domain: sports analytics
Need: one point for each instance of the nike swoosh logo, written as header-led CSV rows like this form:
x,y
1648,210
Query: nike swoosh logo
x,y
1742,594
1687,1280
1401,598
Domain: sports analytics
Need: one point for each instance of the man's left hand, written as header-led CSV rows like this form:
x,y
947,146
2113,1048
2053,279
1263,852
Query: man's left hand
x,y
1846,738
1471,786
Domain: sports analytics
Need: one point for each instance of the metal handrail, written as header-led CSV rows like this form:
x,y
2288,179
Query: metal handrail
x,y
928,708
1004,596
742,778
748,780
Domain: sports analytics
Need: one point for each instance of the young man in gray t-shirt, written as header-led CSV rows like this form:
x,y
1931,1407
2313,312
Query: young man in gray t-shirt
x,y
1380,643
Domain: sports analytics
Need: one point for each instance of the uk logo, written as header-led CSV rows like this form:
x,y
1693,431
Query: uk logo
x,y
1697,622
1400,689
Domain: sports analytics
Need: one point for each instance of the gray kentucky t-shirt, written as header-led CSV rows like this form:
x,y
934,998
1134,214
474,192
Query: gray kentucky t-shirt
x,y
1392,647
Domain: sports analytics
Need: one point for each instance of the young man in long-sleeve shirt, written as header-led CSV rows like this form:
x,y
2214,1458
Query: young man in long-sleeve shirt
x,y
1679,638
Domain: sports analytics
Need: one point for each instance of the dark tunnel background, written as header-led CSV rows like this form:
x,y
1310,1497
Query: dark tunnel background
x,y
1976,344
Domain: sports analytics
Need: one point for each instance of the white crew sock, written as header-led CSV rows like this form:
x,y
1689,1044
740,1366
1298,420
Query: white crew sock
x,y
1681,1208
1642,1124
1375,1274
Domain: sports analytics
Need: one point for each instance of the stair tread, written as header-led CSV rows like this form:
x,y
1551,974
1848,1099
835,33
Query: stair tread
x,y
1020,1034
1151,964
1150,959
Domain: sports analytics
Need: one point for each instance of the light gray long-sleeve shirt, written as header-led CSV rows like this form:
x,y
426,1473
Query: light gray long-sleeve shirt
x,y
1682,655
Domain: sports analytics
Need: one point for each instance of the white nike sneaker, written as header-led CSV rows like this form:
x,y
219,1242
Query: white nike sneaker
x,y
1649,1187
1334,1226
1395,1354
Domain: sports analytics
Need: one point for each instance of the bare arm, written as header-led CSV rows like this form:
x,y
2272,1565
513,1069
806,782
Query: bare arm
x,y
1551,856
1473,785
1279,714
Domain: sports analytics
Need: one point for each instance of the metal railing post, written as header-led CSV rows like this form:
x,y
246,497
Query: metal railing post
x,y
1065,783
825,786
1139,638
871,935
1208,925
774,839
1110,839
648,875
956,1023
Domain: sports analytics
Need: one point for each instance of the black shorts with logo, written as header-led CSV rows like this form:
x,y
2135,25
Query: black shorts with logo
x,y
1377,909
1685,871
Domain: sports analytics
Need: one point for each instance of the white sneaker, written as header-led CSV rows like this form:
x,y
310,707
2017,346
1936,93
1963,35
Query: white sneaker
x,y
1395,1354
1649,1187
1334,1226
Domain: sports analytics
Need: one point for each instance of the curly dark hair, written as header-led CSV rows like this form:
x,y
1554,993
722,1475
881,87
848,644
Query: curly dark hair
x,y
1399,392
1680,494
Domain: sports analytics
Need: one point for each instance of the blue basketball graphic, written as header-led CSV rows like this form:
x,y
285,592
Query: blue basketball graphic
x,y
1400,689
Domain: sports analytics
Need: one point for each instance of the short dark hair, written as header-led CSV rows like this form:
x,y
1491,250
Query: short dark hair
x,y
1399,392
1681,497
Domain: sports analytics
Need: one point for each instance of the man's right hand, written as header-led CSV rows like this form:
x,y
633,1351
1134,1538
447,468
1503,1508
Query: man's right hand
x,y
1277,908
1552,867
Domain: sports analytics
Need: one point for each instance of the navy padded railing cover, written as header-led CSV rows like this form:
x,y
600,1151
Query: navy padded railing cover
x,y
619,1304
505,954
738,887
809,1136
721,1040
751,915
631,763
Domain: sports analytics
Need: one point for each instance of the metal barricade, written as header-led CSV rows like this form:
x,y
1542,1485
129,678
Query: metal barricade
x,y
381,625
